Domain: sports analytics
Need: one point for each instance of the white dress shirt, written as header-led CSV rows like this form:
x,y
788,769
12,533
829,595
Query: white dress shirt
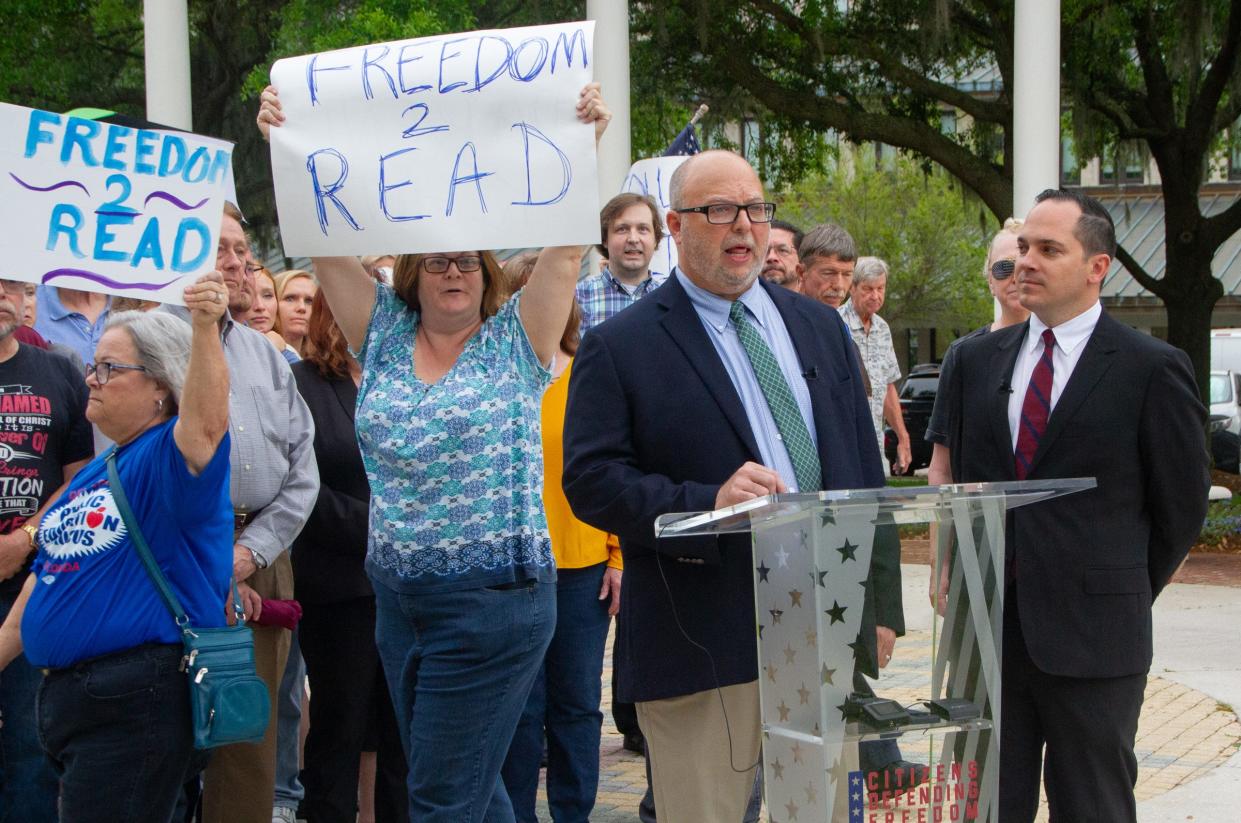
x,y
1071,337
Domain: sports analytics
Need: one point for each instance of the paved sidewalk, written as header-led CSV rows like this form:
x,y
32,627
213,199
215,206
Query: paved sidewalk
x,y
1188,737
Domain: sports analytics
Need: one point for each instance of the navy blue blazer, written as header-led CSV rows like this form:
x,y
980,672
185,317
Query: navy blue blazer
x,y
1090,564
654,426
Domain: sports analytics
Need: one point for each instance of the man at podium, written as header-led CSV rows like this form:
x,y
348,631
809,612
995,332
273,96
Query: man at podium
x,y
716,389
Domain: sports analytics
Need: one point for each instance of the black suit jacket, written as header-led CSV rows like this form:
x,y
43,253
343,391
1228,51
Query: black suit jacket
x,y
329,552
654,426
1090,564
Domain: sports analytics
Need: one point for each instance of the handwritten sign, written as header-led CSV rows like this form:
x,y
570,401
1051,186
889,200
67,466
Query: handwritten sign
x,y
651,177
448,143
108,208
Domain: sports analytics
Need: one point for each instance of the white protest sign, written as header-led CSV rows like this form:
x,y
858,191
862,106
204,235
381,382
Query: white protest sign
x,y
449,143
108,208
651,176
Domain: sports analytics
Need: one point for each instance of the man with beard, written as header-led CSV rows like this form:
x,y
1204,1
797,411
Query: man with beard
x,y
630,229
699,432
44,440
780,266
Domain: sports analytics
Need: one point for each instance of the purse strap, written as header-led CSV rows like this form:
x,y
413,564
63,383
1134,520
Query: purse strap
x,y
144,552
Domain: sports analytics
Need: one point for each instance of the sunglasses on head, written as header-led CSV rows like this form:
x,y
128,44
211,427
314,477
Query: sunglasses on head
x,y
1003,269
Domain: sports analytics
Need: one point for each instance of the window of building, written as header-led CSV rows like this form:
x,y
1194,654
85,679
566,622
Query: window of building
x,y
750,141
1070,168
1124,164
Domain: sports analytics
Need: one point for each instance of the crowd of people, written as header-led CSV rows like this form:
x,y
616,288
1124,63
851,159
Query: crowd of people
x,y
432,479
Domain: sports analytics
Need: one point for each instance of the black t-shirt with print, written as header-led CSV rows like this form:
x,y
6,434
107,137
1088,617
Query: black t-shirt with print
x,y
43,427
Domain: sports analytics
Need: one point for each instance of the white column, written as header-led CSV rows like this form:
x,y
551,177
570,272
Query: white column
x,y
1036,101
166,36
612,70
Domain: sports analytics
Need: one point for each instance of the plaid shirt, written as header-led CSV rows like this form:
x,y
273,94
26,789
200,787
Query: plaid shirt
x,y
603,296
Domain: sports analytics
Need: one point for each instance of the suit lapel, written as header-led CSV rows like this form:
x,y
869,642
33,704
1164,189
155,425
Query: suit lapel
x,y
999,388
683,325
1096,359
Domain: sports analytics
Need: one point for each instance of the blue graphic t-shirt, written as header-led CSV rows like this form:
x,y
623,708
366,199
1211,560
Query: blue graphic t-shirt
x,y
92,595
456,467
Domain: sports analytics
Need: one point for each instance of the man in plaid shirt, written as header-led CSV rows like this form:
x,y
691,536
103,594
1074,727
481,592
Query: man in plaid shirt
x,y
631,229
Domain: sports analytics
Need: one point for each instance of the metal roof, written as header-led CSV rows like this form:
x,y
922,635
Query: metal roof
x,y
1138,214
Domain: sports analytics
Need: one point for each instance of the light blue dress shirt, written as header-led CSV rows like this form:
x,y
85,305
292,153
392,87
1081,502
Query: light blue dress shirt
x,y
58,324
713,312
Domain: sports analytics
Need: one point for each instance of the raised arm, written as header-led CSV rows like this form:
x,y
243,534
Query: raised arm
x,y
203,415
547,298
349,290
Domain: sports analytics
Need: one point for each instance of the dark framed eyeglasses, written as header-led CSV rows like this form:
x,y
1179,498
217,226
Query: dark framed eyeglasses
x,y
103,371
439,265
1003,269
721,213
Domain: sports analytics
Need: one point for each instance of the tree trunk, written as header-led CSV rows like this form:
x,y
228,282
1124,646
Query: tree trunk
x,y
1190,299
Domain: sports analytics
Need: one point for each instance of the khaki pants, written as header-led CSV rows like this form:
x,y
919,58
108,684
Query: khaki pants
x,y
698,777
240,782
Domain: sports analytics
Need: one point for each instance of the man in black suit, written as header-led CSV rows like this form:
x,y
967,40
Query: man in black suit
x,y
690,430
1073,393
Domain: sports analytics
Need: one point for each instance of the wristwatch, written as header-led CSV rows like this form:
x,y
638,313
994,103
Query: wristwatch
x,y
259,562
32,531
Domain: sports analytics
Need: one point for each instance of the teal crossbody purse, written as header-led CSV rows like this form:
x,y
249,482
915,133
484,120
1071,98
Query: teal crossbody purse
x,y
228,701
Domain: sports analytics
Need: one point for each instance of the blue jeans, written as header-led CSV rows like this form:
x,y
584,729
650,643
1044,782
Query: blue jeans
x,y
27,782
565,700
117,729
289,791
459,667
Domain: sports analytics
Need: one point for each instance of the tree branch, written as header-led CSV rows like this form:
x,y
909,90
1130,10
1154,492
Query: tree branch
x,y
1151,284
1219,227
1203,107
1158,101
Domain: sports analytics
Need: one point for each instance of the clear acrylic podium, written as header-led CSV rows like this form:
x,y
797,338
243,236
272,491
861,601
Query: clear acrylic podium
x,y
812,553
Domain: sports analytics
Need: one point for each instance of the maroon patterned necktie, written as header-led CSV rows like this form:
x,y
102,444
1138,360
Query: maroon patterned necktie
x,y
1035,409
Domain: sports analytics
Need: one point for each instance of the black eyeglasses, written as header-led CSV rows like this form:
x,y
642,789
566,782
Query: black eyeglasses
x,y
103,371
1003,269
439,265
721,213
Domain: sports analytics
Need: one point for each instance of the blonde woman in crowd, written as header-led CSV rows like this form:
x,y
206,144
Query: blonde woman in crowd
x,y
295,293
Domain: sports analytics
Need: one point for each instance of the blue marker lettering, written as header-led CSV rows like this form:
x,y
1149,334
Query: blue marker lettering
x,y
145,148
402,62
514,65
67,220
114,146
526,131
148,246
384,188
564,45
79,133
457,179
197,166
104,236
329,193
367,65
169,164
501,68
659,187
444,58
36,134
220,165
417,130
196,226
312,84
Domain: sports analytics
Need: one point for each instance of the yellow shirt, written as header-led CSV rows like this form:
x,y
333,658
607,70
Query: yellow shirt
x,y
575,544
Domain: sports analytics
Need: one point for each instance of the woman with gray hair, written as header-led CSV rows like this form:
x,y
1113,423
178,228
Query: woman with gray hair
x,y
114,707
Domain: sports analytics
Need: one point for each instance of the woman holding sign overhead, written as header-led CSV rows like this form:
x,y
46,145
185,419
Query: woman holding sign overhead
x,y
459,555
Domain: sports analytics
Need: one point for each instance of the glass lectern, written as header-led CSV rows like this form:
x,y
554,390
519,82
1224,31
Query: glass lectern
x,y
812,554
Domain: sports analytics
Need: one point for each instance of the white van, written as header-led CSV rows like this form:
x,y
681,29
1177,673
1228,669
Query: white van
x,y
1226,350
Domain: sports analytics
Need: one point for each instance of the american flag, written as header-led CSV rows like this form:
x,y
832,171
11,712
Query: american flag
x,y
685,143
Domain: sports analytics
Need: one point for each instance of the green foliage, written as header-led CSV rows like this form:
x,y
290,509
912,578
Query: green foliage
x,y
1223,522
309,26
926,228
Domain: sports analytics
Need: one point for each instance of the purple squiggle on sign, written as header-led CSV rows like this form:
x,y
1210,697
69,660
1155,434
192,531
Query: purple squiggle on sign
x,y
173,199
53,187
104,281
